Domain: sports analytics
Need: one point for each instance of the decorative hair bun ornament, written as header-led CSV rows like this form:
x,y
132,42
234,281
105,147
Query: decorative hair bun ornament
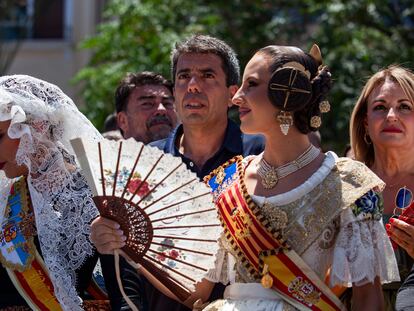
x,y
315,122
289,90
315,52
324,105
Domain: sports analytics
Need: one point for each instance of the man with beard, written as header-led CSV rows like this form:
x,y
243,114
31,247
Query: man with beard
x,y
145,106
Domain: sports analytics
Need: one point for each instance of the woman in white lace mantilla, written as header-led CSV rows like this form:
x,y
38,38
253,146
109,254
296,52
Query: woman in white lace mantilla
x,y
37,120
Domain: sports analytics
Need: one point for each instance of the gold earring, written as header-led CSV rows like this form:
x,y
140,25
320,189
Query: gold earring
x,y
367,139
286,121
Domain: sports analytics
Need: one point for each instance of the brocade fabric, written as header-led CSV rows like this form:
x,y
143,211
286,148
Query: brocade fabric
x,y
334,223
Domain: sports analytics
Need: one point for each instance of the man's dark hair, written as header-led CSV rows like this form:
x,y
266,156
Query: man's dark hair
x,y
132,80
208,45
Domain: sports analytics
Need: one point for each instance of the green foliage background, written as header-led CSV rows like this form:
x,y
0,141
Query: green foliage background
x,y
356,38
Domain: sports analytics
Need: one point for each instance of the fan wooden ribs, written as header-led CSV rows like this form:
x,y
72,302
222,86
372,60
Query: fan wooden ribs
x,y
163,209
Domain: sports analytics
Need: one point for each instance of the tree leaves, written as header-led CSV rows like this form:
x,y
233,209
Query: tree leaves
x,y
357,38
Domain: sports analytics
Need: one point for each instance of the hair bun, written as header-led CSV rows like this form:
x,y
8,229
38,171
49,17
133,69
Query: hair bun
x,y
321,84
290,88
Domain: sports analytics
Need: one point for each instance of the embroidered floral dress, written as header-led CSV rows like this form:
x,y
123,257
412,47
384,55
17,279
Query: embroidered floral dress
x,y
327,228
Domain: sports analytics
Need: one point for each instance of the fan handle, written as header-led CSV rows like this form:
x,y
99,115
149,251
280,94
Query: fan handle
x,y
163,277
105,205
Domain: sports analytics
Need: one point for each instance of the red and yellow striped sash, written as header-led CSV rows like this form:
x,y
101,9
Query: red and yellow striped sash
x,y
35,286
257,246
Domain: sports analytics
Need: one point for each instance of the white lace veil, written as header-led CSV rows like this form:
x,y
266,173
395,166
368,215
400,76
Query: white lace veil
x,y
45,120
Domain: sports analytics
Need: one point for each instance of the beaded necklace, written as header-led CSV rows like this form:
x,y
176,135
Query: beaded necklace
x,y
270,175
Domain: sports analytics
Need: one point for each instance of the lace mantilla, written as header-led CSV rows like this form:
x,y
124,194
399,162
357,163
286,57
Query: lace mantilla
x,y
45,119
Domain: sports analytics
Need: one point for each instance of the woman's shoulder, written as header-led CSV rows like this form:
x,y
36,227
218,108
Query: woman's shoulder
x,y
360,188
355,174
350,165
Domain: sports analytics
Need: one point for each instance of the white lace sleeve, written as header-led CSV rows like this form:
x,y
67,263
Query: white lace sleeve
x,y
362,250
223,271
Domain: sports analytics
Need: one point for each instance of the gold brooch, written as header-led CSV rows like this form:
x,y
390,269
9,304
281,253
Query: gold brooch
x,y
270,179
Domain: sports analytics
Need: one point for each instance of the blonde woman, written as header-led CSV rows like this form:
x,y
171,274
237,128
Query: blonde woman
x,y
382,137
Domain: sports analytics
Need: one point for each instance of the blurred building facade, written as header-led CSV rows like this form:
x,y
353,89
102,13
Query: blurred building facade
x,y
44,37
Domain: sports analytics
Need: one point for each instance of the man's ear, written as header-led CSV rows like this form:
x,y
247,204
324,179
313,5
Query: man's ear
x,y
122,120
233,90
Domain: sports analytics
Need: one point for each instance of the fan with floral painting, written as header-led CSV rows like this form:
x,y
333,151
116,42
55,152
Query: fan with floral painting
x,y
164,210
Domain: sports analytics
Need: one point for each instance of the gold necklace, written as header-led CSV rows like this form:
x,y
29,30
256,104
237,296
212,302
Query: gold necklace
x,y
271,175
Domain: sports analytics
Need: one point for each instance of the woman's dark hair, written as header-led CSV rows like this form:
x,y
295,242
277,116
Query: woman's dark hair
x,y
298,83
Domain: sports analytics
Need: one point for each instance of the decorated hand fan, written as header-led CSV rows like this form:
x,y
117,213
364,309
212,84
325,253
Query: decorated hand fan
x,y
165,212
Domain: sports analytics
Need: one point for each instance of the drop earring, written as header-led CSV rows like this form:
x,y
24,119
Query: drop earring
x,y
286,121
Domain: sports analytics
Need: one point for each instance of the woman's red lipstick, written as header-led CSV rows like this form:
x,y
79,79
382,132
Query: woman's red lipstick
x,y
392,130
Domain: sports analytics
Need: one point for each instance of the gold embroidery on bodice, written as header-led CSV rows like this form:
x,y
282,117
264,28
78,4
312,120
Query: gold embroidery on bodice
x,y
316,215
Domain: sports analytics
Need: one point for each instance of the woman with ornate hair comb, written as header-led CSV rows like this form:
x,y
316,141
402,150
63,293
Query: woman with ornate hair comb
x,y
293,216
45,204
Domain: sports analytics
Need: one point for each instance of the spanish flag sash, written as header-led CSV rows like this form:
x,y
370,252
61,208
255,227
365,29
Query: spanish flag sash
x,y
263,251
18,252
